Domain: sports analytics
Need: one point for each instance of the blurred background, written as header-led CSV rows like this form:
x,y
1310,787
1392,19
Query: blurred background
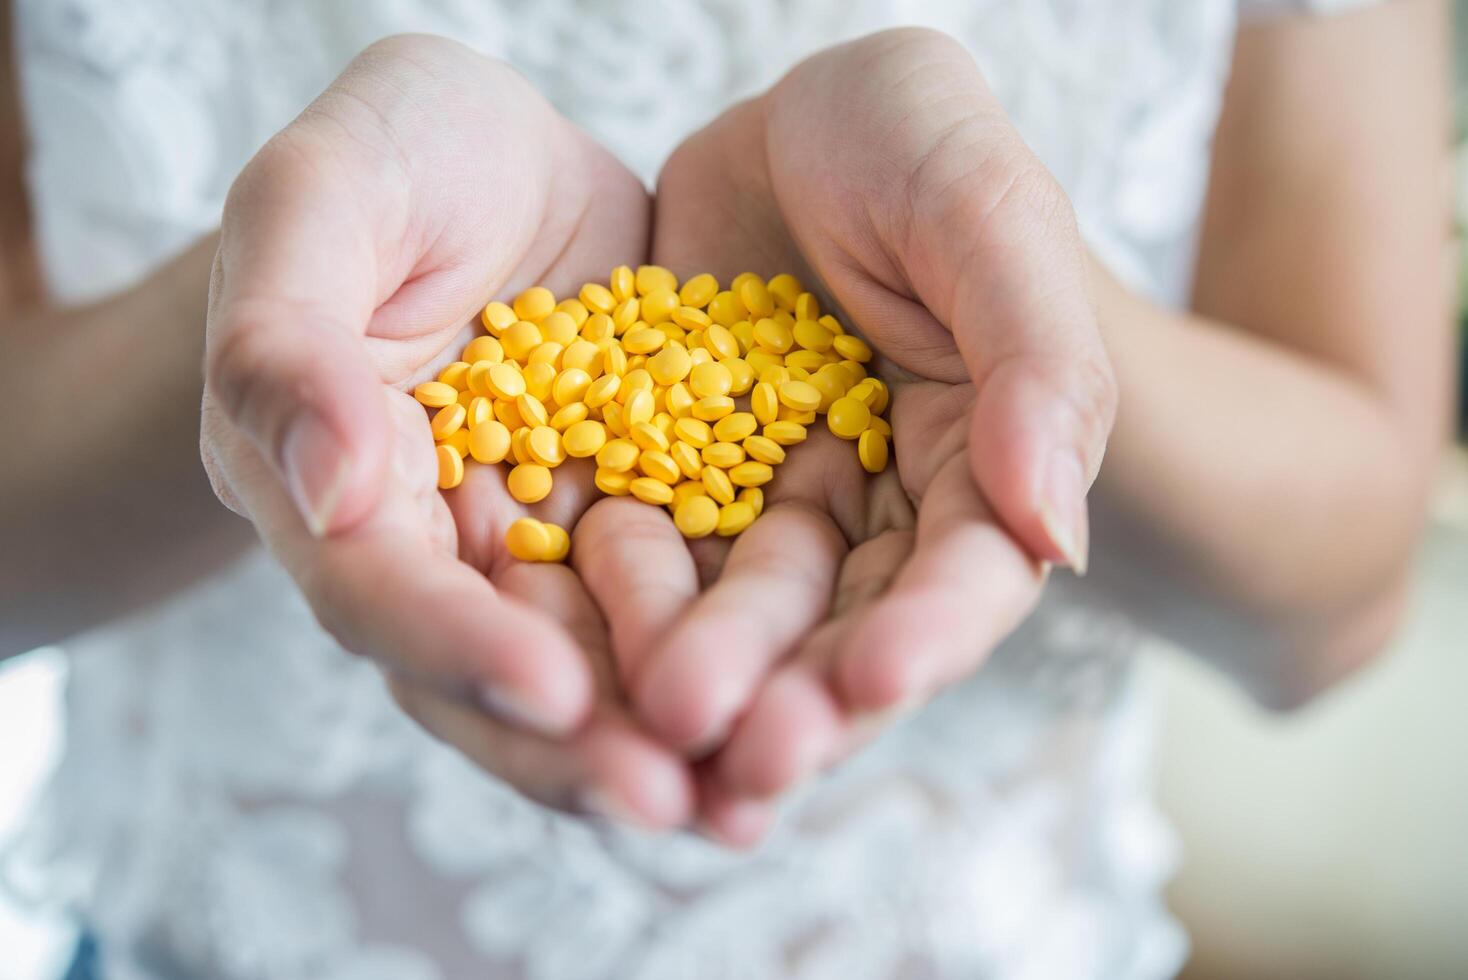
x,y
1331,843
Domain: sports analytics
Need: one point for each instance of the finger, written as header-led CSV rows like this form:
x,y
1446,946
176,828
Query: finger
x,y
776,584
389,589
638,569
735,821
965,587
607,769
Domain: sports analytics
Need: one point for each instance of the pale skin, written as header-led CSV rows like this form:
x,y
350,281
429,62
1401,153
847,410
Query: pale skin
x,y
1266,470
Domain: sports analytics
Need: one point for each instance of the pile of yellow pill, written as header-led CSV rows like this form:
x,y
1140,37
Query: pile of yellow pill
x,y
685,395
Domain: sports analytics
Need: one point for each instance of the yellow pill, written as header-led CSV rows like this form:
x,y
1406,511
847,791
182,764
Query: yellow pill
x,y
484,349
796,373
643,340
755,497
651,491
659,465
696,517
559,327
713,408
613,483
687,458
761,362
575,309
546,353
830,381
691,318
725,309
699,290
734,518
538,380
614,359
812,336
848,418
670,365
648,436
719,340
450,467
508,415
699,355
801,396
481,410
638,407
807,307
852,347
598,327
436,394
456,374
459,441
520,445
694,432
871,449
584,439
544,446
505,381
466,398
881,426
742,375
651,278
582,355
636,379
570,386
535,304
743,332
756,297
448,420
764,449
611,414
658,306
832,324
529,483
618,455
878,405
773,336
764,403
678,400
532,410
489,441
805,360
751,473
496,318
520,339
478,378
735,427
785,433
853,370
722,455
602,390
560,543
626,314
597,298
623,283
528,540
716,483
710,379
791,415
786,289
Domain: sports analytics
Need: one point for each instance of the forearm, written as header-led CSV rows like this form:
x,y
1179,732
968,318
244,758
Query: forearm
x,y
1260,504
104,505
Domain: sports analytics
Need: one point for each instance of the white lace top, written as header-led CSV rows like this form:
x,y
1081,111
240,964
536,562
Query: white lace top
x,y
240,799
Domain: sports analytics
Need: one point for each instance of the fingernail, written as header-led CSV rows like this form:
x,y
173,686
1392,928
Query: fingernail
x,y
1063,509
514,710
315,471
600,803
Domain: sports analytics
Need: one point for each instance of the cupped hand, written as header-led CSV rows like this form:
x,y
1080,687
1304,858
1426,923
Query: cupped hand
x,y
884,174
355,248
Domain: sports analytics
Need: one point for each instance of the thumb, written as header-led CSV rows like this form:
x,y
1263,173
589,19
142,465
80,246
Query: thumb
x,y
1001,246
291,296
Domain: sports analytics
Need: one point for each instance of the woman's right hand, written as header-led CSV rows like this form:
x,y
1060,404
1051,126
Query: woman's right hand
x,y
356,249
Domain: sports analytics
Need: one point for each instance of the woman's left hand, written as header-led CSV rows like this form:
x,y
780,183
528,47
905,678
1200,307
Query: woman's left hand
x,y
885,175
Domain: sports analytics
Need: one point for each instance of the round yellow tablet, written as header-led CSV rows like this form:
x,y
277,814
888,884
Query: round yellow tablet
x,y
436,394
713,408
505,381
544,446
584,439
764,449
450,467
709,379
802,396
785,433
751,473
772,335
670,365
687,458
489,441
734,517
529,483
697,516
735,427
722,455
528,540
651,491
613,483
659,465
848,418
871,449
535,303
716,483
699,290
852,347
448,420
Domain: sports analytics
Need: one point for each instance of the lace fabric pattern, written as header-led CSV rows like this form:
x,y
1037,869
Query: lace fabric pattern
x,y
241,799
